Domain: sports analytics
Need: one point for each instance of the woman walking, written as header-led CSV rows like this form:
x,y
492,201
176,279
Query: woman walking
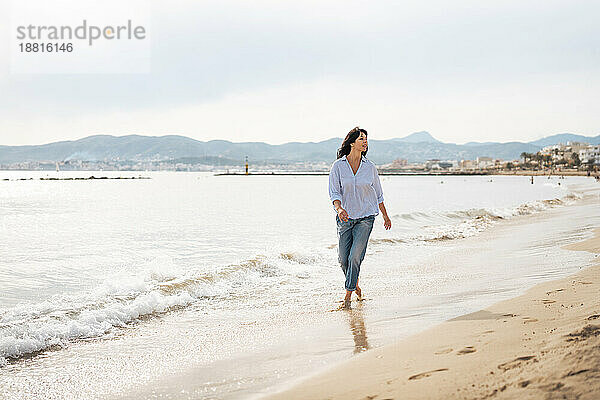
x,y
357,197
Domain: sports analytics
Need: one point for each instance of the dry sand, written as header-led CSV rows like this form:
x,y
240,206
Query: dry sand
x,y
544,344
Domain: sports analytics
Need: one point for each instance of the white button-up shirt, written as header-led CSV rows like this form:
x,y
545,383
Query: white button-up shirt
x,y
360,194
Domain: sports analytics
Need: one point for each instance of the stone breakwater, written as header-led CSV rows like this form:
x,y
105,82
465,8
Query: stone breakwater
x,y
77,179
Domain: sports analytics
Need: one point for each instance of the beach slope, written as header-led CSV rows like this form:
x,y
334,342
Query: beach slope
x,y
543,344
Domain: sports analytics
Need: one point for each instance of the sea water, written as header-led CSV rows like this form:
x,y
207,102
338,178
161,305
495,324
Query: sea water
x,y
202,286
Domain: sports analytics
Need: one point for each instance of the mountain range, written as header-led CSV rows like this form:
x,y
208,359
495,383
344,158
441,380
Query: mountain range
x,y
417,147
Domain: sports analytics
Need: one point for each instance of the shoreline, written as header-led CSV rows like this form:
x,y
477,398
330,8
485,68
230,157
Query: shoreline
x,y
542,343
319,348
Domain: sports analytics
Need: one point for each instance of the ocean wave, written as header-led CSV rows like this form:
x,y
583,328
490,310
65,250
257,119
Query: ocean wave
x,y
300,258
386,240
23,334
439,226
121,301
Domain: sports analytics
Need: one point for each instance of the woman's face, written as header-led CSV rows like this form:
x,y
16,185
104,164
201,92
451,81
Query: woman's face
x,y
361,142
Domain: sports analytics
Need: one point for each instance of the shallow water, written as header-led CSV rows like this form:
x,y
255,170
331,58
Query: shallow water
x,y
229,279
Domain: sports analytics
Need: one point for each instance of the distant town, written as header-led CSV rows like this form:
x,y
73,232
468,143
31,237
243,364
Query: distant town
x,y
569,158
572,157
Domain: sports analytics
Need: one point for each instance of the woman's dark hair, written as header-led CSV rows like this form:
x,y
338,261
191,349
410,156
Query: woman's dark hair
x,y
351,137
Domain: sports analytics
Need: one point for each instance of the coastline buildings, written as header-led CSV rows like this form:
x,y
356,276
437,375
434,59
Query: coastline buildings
x,y
560,151
572,156
485,162
590,155
571,153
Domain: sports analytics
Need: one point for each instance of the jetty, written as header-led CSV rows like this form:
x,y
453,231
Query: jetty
x,y
77,178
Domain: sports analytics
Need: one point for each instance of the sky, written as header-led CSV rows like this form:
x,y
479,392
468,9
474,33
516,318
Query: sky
x,y
283,71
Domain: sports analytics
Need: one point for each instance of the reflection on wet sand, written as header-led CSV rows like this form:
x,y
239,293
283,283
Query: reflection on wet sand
x,y
357,327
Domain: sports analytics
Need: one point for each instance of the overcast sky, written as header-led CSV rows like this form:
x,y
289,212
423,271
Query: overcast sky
x,y
281,71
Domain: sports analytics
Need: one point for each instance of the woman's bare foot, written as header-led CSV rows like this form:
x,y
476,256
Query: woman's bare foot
x,y
359,293
347,299
346,305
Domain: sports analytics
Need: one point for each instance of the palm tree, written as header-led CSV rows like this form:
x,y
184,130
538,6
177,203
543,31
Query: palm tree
x,y
548,160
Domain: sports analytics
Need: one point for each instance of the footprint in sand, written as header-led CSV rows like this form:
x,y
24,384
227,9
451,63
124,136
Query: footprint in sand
x,y
573,373
529,319
524,383
548,301
426,374
591,317
554,291
516,362
586,332
466,350
443,351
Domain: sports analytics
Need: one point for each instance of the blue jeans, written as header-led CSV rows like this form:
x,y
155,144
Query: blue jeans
x,y
353,236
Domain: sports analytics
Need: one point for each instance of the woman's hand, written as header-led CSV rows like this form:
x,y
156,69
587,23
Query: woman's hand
x,y
342,214
387,222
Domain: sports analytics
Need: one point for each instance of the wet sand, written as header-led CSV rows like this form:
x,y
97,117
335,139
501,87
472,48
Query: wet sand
x,y
543,344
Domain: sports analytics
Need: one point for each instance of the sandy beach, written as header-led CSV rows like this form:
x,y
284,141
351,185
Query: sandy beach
x,y
543,344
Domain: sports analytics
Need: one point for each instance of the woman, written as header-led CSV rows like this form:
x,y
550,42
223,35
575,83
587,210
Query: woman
x,y
356,193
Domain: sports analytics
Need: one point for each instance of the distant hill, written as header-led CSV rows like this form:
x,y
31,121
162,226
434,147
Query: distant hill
x,y
418,137
416,147
564,138
480,143
384,151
